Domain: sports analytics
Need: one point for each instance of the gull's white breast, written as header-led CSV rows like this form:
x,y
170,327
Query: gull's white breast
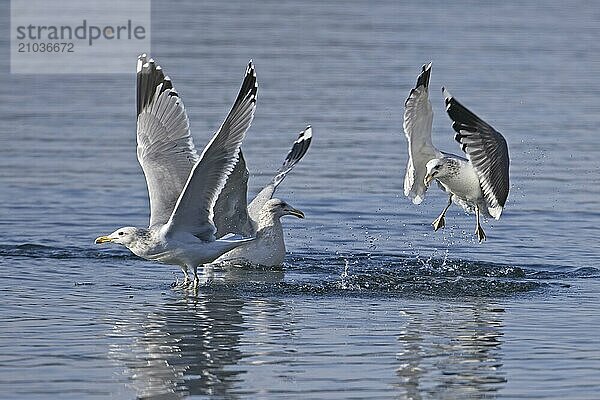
x,y
267,250
464,185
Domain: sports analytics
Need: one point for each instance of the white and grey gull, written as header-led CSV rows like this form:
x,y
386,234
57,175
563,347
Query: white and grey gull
x,y
262,217
478,183
183,186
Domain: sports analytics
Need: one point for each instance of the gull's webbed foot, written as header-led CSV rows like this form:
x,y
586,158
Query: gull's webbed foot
x,y
439,222
479,230
480,233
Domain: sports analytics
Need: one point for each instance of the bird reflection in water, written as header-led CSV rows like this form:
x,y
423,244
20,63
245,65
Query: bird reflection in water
x,y
451,353
191,345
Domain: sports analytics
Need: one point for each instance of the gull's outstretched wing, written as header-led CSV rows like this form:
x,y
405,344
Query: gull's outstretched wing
x,y
487,151
418,117
231,209
193,212
299,149
165,148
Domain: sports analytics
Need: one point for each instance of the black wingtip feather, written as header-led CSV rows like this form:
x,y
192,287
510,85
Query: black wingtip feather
x,y
422,80
299,148
249,86
463,118
149,77
297,152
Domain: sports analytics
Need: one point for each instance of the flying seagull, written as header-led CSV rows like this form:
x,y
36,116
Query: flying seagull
x,y
261,217
183,186
478,183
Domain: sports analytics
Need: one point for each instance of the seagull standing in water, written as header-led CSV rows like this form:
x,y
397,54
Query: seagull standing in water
x,y
478,183
183,186
262,217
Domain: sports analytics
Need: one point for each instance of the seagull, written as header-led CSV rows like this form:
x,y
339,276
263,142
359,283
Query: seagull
x,y
478,183
262,217
183,186
268,250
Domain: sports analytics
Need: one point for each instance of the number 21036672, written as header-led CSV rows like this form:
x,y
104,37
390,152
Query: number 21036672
x,y
26,47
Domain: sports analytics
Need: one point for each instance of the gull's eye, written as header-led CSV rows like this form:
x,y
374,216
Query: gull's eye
x,y
120,234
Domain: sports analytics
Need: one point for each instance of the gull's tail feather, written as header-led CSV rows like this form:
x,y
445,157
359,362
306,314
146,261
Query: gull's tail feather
x,y
299,149
233,237
231,241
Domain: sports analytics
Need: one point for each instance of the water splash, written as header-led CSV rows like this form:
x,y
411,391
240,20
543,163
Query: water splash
x,y
351,274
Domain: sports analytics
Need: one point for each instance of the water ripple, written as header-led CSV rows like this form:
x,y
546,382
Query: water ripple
x,y
353,274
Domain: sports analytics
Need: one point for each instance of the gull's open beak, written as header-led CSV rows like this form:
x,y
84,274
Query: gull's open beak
x,y
102,239
295,212
428,179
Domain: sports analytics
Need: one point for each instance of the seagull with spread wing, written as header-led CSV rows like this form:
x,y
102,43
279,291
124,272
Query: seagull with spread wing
x,y
262,217
478,183
183,186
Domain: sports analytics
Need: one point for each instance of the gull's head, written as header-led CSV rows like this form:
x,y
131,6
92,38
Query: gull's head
x,y
278,208
125,236
436,168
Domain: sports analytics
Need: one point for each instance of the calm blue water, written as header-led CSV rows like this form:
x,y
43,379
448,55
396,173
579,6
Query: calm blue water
x,y
371,303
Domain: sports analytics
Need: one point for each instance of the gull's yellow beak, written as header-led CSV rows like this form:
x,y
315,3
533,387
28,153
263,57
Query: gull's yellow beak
x,y
428,179
102,239
295,212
